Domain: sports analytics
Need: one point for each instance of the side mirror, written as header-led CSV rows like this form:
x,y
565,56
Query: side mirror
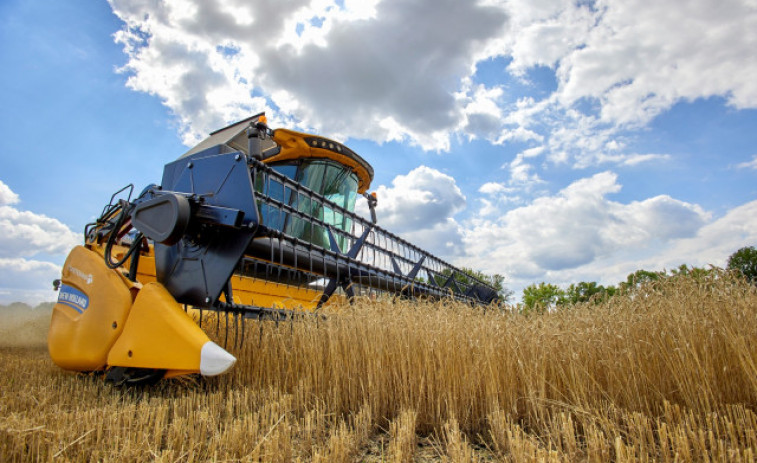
x,y
372,201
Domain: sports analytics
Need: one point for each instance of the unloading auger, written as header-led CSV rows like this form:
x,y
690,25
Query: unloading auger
x,y
250,223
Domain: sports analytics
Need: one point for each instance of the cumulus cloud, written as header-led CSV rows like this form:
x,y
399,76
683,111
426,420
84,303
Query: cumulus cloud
x,y
442,238
349,73
710,245
483,110
620,64
575,228
186,54
25,235
639,57
422,198
7,196
643,56
420,206
496,196
715,241
543,33
392,69
492,188
403,63
577,234
521,171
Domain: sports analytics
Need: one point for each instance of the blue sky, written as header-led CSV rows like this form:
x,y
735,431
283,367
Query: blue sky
x,y
555,141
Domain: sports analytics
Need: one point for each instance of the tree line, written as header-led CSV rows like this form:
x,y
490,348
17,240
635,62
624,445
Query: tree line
x,y
542,297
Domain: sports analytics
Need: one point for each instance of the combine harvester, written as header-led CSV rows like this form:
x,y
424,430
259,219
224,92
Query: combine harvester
x,y
250,223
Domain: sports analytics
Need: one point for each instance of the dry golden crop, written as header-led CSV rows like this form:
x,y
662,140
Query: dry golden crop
x,y
666,374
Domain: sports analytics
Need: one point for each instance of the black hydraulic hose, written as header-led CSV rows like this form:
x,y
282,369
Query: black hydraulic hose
x,y
134,264
112,239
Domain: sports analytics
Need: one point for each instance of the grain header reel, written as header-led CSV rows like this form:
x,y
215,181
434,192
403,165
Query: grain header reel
x,y
250,223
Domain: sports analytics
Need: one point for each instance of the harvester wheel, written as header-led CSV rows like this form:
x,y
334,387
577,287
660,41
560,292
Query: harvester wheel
x,y
121,376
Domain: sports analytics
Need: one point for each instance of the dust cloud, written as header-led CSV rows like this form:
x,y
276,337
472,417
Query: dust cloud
x,y
24,326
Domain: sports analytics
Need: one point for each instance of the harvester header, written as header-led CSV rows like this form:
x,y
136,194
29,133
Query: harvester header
x,y
251,223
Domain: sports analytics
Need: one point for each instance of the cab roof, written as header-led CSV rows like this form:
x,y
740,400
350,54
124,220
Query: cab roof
x,y
288,145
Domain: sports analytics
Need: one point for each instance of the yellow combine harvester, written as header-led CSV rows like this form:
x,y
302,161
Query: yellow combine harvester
x,y
251,222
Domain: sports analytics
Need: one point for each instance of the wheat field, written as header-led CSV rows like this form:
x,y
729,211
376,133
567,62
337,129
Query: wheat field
x,y
668,373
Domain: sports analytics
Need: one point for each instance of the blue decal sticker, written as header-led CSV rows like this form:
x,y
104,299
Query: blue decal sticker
x,y
73,298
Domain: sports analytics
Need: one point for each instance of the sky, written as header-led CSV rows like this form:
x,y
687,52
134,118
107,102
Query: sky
x,y
544,140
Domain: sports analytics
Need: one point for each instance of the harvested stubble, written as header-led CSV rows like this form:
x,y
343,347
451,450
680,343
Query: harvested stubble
x,y
668,374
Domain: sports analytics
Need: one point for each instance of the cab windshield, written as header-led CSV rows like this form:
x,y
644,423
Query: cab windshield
x,y
330,179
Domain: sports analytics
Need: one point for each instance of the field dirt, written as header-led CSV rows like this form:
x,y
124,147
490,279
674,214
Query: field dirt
x,y
668,373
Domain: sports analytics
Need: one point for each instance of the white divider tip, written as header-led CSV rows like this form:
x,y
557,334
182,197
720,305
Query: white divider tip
x,y
214,360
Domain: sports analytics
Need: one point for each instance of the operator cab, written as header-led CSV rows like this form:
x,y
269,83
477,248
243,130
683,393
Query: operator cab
x,y
322,165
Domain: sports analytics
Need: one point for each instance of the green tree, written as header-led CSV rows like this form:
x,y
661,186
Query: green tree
x,y
639,278
542,297
697,273
745,261
585,291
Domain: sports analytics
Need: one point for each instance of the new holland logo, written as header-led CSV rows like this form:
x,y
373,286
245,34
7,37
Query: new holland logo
x,y
87,277
73,298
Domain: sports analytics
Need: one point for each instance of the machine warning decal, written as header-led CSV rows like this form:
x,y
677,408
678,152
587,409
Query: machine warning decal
x,y
73,298
84,276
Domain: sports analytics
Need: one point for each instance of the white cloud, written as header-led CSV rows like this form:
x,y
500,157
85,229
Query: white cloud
x,y
748,164
393,69
521,172
403,63
543,38
572,137
491,188
420,207
633,159
7,196
559,236
715,241
27,274
497,196
421,199
624,63
441,238
343,76
642,56
567,234
711,245
483,111
24,235
30,281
